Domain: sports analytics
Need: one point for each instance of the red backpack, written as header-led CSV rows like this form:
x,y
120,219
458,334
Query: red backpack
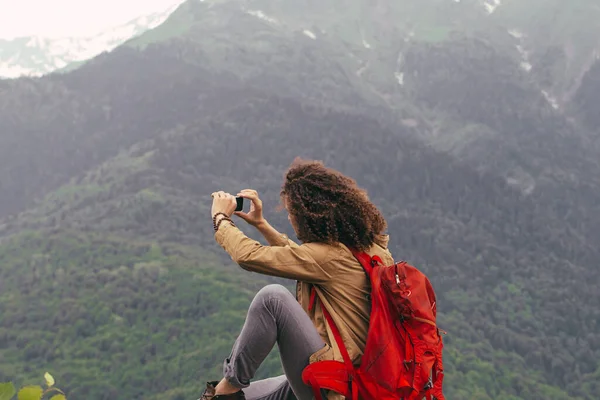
x,y
402,359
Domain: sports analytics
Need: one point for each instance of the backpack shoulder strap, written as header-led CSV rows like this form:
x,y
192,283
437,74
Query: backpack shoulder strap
x,y
334,329
338,339
365,260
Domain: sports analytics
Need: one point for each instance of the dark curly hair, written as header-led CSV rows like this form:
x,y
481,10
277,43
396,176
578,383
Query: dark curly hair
x,y
328,207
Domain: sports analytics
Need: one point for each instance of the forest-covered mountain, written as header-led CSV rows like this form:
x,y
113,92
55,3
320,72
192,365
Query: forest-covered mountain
x,y
109,274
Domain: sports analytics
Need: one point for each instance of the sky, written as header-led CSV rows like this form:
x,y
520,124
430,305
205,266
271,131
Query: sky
x,y
67,18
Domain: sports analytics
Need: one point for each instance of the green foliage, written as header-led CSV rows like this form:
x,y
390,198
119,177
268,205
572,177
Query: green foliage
x,y
113,315
30,393
33,392
7,391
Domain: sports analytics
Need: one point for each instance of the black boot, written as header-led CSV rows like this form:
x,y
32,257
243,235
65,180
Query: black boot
x,y
209,393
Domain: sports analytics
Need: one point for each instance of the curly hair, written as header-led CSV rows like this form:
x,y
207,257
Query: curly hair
x,y
328,207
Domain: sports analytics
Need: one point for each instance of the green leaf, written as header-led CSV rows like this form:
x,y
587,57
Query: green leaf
x,y
49,379
7,391
31,393
58,397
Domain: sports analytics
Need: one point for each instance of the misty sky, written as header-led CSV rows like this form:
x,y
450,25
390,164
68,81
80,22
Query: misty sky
x,y
60,18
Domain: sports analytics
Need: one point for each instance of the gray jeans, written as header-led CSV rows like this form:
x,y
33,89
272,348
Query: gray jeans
x,y
273,317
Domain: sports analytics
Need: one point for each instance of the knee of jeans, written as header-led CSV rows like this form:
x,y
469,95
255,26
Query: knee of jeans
x,y
271,292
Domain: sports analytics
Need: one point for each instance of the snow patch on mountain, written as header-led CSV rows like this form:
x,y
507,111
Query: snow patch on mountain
x,y
310,34
36,56
263,16
517,34
492,5
12,71
400,78
525,63
550,99
399,74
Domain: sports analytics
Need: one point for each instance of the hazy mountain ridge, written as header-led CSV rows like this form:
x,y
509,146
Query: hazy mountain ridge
x,y
554,42
490,115
38,55
498,123
586,99
559,39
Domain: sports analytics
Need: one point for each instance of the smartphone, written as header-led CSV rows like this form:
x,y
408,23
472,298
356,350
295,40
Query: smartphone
x,y
240,203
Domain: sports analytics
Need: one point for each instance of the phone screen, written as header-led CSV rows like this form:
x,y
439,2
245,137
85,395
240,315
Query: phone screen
x,y
240,203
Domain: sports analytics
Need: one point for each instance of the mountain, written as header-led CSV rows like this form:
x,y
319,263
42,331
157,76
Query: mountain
x,y
109,274
463,90
37,55
555,41
558,41
586,100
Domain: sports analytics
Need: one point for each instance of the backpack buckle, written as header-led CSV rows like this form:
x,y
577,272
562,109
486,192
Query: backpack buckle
x,y
428,385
